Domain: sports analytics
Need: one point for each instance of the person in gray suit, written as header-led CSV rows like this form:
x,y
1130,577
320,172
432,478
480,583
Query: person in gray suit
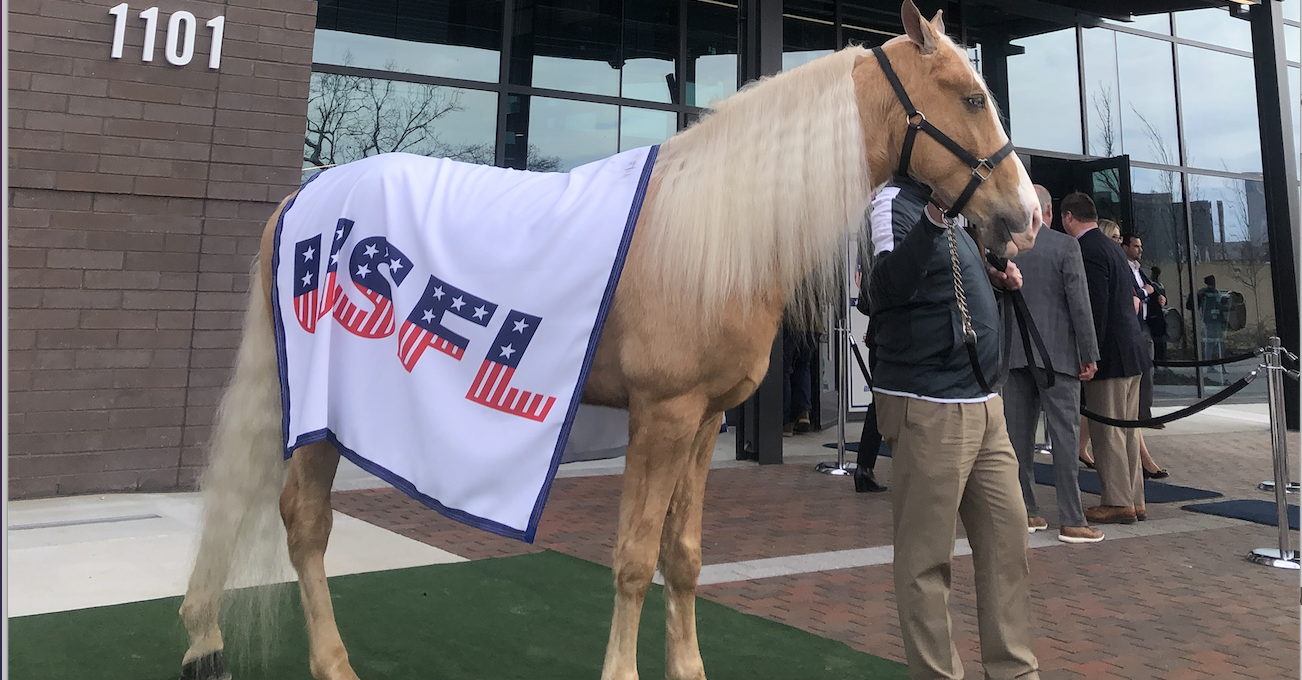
x,y
1058,299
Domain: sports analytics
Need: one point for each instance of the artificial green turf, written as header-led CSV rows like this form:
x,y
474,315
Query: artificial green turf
x,y
538,616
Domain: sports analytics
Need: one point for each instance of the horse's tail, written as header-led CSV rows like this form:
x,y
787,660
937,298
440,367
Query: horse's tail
x,y
243,541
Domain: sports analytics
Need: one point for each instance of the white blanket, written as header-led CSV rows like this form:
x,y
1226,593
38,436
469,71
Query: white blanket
x,y
436,320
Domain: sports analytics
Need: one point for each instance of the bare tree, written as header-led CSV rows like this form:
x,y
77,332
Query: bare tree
x,y
351,117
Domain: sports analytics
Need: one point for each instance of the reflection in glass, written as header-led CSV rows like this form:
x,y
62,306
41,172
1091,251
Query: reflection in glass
x,y
567,45
1147,101
650,50
1234,310
644,127
1219,99
1044,94
572,132
1154,23
1291,42
868,39
1293,104
1214,26
1158,202
389,54
350,118
711,52
1102,92
1291,10
805,40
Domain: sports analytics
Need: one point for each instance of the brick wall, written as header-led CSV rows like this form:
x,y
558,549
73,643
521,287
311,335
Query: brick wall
x,y
138,192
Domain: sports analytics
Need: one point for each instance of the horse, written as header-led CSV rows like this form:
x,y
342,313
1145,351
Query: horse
x,y
742,211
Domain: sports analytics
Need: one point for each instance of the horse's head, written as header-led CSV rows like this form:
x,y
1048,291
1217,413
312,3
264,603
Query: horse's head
x,y
952,98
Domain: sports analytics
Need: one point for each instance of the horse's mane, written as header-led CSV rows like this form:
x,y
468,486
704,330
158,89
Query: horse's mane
x,y
760,192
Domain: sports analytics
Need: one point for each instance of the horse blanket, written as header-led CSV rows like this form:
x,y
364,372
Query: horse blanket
x,y
436,320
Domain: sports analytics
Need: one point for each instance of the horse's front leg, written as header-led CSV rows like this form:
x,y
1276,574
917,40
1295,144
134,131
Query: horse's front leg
x,y
661,435
305,508
680,558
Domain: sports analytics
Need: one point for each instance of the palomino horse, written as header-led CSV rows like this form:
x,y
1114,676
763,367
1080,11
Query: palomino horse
x,y
741,208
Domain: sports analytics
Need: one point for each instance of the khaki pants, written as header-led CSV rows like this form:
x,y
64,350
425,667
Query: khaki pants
x,y
1116,450
951,461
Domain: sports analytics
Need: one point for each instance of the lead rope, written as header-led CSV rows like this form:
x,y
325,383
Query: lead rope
x,y
952,224
969,335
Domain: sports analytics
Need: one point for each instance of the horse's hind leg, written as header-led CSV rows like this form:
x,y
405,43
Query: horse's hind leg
x,y
305,507
680,558
660,440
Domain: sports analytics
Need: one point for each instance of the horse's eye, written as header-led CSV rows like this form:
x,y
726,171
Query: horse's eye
x,y
976,101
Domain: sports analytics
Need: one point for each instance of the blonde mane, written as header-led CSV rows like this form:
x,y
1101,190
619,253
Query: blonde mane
x,y
761,191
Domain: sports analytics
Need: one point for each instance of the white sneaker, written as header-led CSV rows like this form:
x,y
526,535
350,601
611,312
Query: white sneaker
x,y
1034,524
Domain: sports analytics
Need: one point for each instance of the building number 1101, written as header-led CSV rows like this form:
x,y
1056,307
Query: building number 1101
x,y
180,35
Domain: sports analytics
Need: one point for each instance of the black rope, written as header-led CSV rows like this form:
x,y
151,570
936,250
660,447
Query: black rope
x,y
1181,363
863,368
1175,415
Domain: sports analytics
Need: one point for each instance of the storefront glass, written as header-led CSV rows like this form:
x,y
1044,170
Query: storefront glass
x,y
1214,26
351,117
711,51
1219,99
1044,93
1147,100
1232,304
564,134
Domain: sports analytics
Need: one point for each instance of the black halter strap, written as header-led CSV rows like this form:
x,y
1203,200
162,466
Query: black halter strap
x,y
982,168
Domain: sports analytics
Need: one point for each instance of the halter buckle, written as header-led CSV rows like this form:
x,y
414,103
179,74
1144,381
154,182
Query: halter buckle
x,y
983,164
916,114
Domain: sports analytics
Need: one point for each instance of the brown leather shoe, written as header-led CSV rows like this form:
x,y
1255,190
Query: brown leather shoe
x,y
1111,514
1079,535
1034,524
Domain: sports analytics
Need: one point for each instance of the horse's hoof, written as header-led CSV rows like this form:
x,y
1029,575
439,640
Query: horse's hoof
x,y
211,666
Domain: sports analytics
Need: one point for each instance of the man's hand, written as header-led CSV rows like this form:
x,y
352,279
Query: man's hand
x,y
1087,370
1138,304
1009,279
1148,289
1161,300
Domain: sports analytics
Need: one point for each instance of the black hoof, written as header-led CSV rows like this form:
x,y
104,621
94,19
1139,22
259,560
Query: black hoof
x,y
211,666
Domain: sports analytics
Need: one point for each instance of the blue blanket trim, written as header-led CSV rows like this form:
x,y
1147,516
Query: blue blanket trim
x,y
402,484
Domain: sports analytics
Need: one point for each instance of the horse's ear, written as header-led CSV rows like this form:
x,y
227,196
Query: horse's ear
x,y
938,23
917,28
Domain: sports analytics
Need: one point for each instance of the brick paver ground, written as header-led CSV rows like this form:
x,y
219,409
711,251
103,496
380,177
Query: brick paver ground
x,y
1171,606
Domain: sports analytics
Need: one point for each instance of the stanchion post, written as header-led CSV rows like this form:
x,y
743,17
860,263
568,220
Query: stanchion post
x,y
1283,557
842,358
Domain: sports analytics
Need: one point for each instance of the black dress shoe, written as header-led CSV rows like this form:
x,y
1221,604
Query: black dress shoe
x,y
1160,474
865,483
1086,463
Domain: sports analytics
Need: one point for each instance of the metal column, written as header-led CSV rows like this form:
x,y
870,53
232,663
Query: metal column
x,y
1284,557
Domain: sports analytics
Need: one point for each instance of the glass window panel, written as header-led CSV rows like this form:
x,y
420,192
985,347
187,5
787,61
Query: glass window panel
x,y
804,41
1228,220
1156,23
572,133
1220,129
644,127
869,39
455,38
650,50
1147,102
822,10
1102,93
1293,75
874,15
567,45
1291,42
1044,93
1214,26
350,118
1291,10
1158,201
711,51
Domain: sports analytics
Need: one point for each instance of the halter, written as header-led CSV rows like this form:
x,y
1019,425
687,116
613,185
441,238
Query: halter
x,y
982,168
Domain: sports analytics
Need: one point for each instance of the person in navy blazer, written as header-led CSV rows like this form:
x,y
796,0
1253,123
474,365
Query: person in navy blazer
x,y
1123,358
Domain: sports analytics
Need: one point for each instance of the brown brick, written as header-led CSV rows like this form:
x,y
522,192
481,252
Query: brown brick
x,y
92,182
81,299
120,280
172,300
